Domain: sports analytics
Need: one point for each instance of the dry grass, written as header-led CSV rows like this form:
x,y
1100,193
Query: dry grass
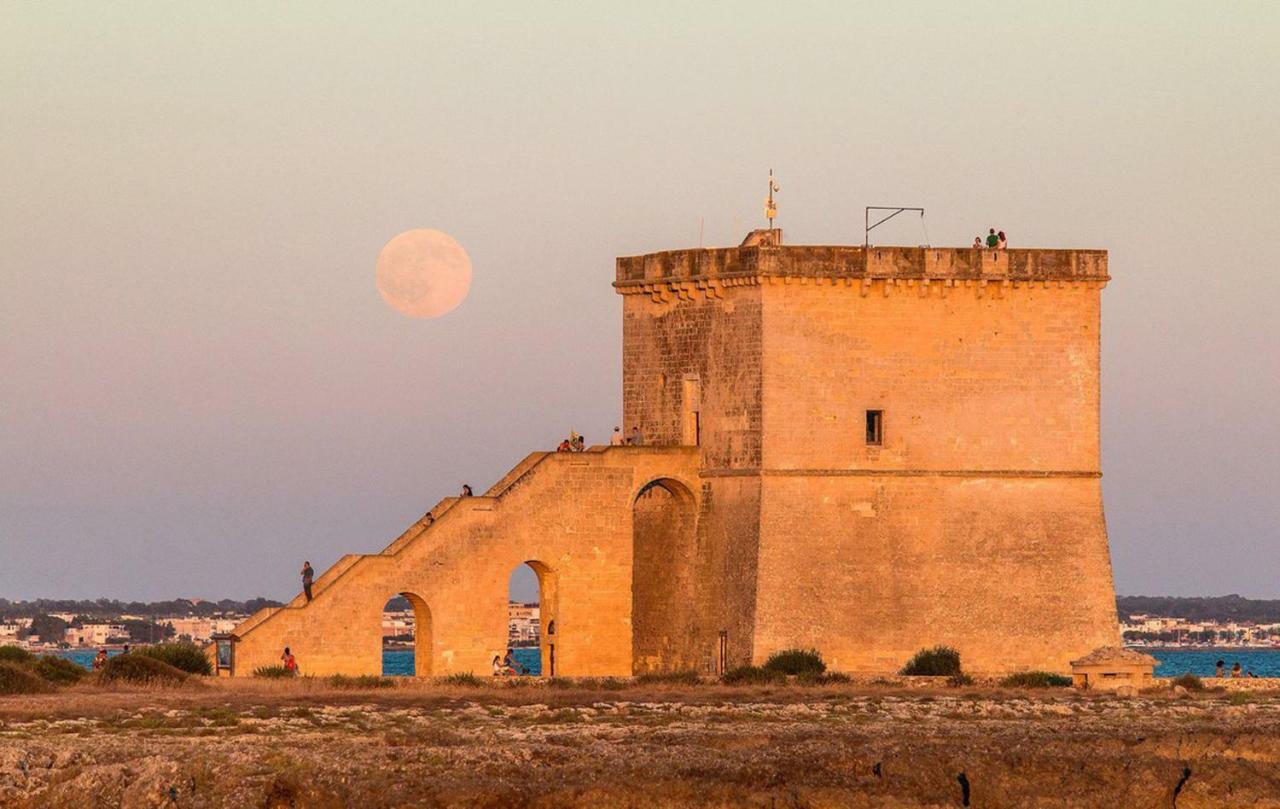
x,y
92,698
305,742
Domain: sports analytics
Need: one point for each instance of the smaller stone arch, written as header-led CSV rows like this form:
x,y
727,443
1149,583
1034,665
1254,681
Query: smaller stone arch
x,y
423,636
549,629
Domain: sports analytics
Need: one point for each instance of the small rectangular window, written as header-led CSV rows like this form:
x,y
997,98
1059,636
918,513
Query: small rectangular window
x,y
875,427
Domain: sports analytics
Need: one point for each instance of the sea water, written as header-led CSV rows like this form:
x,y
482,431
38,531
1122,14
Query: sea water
x,y
1173,662
399,662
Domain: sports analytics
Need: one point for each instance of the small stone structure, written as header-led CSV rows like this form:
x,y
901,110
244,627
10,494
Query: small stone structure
x,y
1112,668
861,450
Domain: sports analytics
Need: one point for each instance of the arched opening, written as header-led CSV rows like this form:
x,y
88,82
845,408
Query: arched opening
x,y
664,595
406,637
531,618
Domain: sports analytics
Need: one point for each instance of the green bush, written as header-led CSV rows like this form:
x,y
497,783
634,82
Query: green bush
x,y
1035,679
182,656
58,670
138,669
21,680
274,672
751,675
16,654
1188,681
940,661
464,679
669,678
960,680
795,662
362,681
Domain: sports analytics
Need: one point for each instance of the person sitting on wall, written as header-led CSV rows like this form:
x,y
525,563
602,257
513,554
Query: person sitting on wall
x,y
977,242
636,439
565,446
466,490
992,239
1001,242
616,440
510,666
579,443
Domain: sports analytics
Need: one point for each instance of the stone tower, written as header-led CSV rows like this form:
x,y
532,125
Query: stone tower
x,y
898,448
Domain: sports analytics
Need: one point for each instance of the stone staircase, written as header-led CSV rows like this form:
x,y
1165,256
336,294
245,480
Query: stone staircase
x,y
520,474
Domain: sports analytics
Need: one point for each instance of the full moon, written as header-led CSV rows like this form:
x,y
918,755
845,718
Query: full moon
x,y
423,273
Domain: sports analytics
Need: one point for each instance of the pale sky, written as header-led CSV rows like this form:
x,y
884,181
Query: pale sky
x,y
200,385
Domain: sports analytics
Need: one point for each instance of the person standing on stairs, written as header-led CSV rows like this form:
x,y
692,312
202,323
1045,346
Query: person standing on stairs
x,y
308,576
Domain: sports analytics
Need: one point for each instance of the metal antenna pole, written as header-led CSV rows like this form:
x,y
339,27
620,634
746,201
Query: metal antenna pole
x,y
866,235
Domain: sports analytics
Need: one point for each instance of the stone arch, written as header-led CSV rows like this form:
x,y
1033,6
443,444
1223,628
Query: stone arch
x,y
548,603
665,629
423,638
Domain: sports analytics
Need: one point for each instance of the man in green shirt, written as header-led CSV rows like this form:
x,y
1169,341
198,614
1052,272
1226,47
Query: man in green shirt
x,y
993,239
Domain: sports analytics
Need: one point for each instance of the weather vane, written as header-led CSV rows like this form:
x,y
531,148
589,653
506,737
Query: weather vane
x,y
770,207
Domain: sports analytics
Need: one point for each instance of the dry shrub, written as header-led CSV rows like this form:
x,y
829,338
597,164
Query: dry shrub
x,y
940,661
182,656
136,669
796,662
751,675
1188,681
16,654
363,681
21,680
465,679
1036,679
58,670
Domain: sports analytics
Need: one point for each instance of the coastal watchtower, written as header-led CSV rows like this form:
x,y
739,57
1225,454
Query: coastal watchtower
x,y
864,451
897,448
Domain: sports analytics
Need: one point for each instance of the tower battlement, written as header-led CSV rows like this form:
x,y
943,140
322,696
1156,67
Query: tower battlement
x,y
732,266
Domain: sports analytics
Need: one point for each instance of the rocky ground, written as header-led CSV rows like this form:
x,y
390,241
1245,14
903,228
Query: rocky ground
x,y
309,745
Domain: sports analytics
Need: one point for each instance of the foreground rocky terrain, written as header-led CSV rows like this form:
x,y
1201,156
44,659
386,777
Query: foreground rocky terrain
x,y
306,744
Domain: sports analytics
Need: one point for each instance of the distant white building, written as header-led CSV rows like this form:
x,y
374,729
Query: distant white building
x,y
523,624
9,630
397,623
200,630
93,634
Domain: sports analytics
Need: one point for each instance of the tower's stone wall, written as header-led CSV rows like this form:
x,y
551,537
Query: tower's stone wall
x,y
976,522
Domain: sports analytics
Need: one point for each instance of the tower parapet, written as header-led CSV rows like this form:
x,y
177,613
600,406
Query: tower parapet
x,y
746,265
